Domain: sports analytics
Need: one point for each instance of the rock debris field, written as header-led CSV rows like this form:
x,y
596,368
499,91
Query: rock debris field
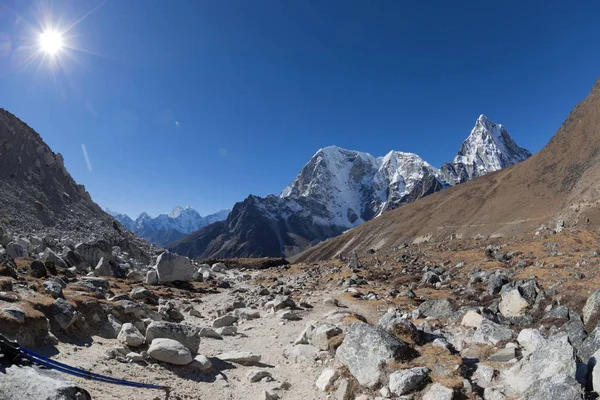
x,y
484,319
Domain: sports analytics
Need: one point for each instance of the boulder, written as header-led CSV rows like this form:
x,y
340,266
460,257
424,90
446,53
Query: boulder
x,y
556,357
169,351
152,277
438,392
171,267
184,334
32,383
531,340
225,320
442,308
591,307
492,333
37,269
405,381
53,288
472,319
365,349
49,255
130,336
280,302
64,313
110,328
75,260
16,250
513,304
103,268
219,267
92,252
555,387
202,363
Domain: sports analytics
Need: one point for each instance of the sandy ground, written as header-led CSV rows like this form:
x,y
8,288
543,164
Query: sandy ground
x,y
267,336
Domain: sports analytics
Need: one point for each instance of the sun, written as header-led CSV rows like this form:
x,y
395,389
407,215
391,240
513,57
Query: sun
x,y
51,42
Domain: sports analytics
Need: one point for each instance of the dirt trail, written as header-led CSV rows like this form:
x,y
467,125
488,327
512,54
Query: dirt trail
x,y
267,336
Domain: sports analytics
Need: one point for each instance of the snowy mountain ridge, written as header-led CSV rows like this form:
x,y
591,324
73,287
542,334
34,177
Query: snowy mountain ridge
x,y
168,227
340,189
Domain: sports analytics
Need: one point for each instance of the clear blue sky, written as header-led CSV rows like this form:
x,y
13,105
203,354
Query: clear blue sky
x,y
257,86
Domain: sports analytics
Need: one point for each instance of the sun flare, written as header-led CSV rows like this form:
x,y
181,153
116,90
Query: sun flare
x,y
51,42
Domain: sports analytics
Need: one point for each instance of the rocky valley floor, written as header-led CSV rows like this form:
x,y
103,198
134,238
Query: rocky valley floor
x,y
494,318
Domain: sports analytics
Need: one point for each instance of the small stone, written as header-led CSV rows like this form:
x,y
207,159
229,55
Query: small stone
x,y
240,357
202,363
130,336
405,381
290,315
256,375
503,355
225,320
227,331
472,319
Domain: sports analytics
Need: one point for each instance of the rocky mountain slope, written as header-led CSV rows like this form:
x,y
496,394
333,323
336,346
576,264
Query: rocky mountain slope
x,y
339,189
167,228
559,185
42,207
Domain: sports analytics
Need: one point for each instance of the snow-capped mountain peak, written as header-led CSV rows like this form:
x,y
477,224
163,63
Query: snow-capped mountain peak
x,y
176,212
488,148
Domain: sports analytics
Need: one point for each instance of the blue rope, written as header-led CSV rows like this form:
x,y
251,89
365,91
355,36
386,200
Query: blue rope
x,y
46,362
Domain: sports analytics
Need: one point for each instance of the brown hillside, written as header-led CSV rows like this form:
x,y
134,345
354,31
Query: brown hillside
x,y
561,181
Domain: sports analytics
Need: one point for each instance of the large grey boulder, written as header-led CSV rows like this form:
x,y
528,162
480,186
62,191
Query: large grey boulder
x,y
592,307
103,268
16,250
437,308
75,260
64,313
49,255
169,351
556,357
590,345
184,334
31,383
407,380
492,333
94,251
171,267
556,387
366,350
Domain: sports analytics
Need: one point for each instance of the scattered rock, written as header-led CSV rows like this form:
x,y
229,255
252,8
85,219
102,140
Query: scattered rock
x,y
365,348
169,351
130,336
437,308
438,392
185,334
202,363
405,381
326,380
240,357
256,375
225,320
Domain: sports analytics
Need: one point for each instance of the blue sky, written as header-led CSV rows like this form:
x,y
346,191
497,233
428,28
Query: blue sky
x,y
203,102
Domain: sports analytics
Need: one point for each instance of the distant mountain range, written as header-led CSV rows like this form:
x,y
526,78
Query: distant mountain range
x,y
339,189
167,228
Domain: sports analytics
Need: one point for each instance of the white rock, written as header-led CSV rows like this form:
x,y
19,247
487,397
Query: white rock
x,y
172,267
130,336
531,340
240,357
326,379
170,351
472,319
202,363
513,304
152,277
